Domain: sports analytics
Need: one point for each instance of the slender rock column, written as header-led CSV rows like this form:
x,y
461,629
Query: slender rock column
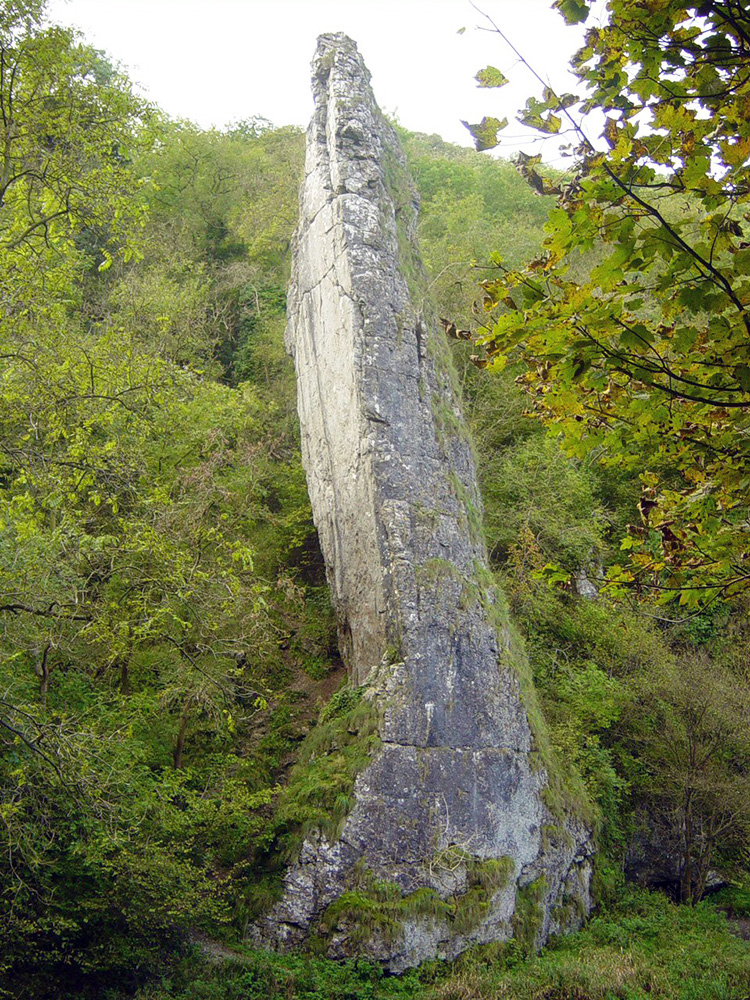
x,y
455,832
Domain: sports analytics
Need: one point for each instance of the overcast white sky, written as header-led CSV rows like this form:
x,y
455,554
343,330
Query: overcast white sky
x,y
218,61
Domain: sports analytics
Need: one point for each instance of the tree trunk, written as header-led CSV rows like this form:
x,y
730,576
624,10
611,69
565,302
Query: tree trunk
x,y
43,671
686,879
179,747
125,675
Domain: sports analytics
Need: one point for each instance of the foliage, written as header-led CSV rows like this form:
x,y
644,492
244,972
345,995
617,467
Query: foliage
x,y
601,670
692,732
257,974
534,488
167,639
70,125
640,355
467,203
318,794
645,947
605,673
145,653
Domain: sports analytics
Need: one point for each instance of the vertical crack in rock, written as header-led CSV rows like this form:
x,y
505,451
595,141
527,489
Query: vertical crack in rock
x,y
450,838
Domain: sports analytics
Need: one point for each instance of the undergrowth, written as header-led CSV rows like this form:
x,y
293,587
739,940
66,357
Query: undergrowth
x,y
646,948
318,795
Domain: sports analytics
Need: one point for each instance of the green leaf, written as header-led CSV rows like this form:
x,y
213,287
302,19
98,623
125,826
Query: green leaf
x,y
533,114
485,132
490,76
574,11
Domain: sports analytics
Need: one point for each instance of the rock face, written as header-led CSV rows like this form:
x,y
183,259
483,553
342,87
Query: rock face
x,y
451,840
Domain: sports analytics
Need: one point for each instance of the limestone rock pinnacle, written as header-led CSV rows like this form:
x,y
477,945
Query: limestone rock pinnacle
x,y
453,831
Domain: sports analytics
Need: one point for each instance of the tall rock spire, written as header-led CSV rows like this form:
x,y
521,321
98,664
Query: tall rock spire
x,y
457,816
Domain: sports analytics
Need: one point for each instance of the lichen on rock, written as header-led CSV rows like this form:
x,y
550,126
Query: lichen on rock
x,y
456,771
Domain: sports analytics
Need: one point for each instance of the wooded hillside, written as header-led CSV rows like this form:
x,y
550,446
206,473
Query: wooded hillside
x,y
174,715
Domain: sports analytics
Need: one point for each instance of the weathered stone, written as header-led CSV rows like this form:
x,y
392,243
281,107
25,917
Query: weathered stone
x,y
457,779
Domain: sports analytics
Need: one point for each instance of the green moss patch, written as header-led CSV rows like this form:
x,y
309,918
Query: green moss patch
x,y
318,795
377,910
528,915
484,877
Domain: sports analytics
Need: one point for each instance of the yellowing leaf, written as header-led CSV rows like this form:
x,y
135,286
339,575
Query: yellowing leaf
x,y
490,76
735,153
485,132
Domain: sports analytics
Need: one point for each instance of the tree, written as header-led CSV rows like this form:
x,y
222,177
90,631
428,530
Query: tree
x,y
632,324
690,731
68,125
128,598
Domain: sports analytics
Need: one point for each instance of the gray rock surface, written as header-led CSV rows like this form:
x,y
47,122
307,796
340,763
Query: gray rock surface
x,y
457,780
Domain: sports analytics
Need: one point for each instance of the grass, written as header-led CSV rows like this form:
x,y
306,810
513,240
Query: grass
x,y
377,909
318,795
645,948
257,975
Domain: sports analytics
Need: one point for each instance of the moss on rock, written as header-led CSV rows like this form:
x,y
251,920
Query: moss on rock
x,y
375,909
318,795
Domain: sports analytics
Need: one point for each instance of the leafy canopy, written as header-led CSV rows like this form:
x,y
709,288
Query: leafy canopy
x,y
633,322
150,498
